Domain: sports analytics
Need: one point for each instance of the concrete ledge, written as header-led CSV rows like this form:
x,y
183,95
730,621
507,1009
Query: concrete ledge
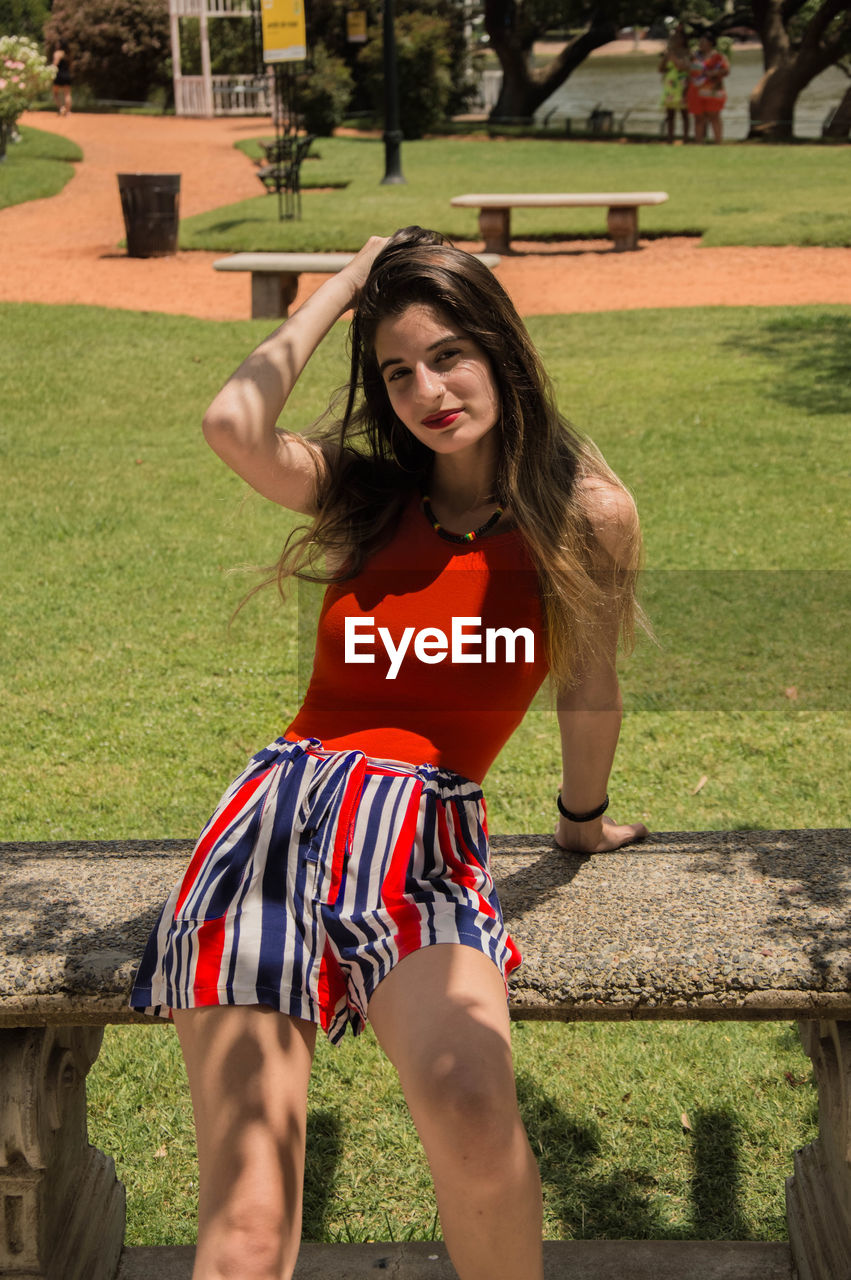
x,y
707,925
277,262
563,1260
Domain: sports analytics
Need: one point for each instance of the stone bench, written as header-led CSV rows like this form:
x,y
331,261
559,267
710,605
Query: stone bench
x,y
495,212
710,926
274,276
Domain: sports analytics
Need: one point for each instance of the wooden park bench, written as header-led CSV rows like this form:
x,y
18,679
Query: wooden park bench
x,y
746,925
274,276
495,212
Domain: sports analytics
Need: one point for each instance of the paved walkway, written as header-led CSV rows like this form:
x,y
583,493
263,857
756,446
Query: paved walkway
x,y
65,249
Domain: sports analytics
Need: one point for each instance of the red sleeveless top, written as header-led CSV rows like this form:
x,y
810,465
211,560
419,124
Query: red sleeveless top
x,y
431,654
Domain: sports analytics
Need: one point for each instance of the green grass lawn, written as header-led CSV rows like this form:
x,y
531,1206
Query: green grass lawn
x,y
735,194
37,166
121,530
129,703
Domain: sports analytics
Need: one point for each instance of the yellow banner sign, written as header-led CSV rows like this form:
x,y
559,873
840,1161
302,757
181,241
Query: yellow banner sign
x,y
356,26
284,38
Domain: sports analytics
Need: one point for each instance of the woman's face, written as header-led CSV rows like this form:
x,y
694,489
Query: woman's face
x,y
438,379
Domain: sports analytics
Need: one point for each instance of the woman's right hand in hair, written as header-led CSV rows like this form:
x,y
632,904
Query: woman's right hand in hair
x,y
241,424
361,264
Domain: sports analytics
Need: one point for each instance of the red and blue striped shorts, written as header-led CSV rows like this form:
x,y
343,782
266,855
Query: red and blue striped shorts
x,y
318,872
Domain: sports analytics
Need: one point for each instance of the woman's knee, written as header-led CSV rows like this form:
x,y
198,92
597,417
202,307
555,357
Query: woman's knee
x,y
468,1107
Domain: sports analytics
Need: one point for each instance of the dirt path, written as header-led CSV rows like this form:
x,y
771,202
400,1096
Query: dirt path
x,y
64,249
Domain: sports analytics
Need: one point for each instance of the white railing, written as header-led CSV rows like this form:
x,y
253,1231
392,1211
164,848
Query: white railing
x,y
190,97
231,96
213,8
242,96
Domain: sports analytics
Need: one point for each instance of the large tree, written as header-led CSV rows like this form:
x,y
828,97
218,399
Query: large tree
x,y
800,39
513,26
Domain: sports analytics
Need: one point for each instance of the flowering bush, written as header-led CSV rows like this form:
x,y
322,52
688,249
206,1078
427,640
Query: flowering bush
x,y
24,76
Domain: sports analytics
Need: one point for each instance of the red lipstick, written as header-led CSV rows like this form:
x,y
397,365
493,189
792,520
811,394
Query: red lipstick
x,y
443,419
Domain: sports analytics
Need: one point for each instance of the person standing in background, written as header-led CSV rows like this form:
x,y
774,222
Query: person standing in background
x,y
62,81
674,64
706,93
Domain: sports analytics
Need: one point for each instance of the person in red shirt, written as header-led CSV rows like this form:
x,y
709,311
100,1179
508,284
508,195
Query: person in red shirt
x,y
472,542
706,95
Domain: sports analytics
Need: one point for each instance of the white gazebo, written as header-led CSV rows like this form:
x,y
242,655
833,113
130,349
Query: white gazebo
x,y
209,95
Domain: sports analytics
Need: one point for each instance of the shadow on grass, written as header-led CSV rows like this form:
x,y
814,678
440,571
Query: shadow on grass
x,y
716,1181
625,1204
324,1153
230,223
810,355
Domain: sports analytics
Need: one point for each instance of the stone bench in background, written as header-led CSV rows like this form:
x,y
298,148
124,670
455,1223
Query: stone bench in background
x,y
274,276
622,216
710,926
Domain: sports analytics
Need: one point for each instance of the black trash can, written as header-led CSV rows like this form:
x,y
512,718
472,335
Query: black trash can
x,y
149,202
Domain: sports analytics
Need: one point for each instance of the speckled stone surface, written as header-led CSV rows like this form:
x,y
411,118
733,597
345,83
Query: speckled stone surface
x,y
751,924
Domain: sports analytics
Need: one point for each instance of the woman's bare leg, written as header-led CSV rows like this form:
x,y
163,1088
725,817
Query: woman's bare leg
x,y
248,1068
442,1018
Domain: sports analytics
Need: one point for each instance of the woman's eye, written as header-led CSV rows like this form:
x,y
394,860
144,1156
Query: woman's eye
x,y
448,354
396,375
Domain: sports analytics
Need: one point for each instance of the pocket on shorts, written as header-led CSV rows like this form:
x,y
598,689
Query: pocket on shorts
x,y
325,822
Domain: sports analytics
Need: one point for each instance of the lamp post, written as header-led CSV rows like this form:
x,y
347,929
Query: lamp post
x,y
392,132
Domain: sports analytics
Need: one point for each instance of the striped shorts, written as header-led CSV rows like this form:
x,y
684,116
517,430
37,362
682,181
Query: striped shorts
x,y
318,872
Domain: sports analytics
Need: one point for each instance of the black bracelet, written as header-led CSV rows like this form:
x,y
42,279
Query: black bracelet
x,y
582,817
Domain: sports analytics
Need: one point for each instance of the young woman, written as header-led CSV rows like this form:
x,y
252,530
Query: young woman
x,y
471,541
674,64
706,93
62,81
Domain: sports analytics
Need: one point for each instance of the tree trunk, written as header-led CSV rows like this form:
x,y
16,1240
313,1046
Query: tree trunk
x,y
517,93
772,103
839,125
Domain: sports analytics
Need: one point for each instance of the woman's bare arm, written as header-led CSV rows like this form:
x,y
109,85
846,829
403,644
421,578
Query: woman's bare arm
x,y
589,713
241,424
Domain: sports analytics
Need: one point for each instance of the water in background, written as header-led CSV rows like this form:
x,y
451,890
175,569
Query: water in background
x,y
630,86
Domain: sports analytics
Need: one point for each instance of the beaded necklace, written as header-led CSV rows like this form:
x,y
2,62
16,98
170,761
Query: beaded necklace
x,y
458,537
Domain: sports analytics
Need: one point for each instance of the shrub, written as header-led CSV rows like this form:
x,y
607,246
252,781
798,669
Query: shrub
x,y
424,71
24,77
324,92
23,18
119,48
